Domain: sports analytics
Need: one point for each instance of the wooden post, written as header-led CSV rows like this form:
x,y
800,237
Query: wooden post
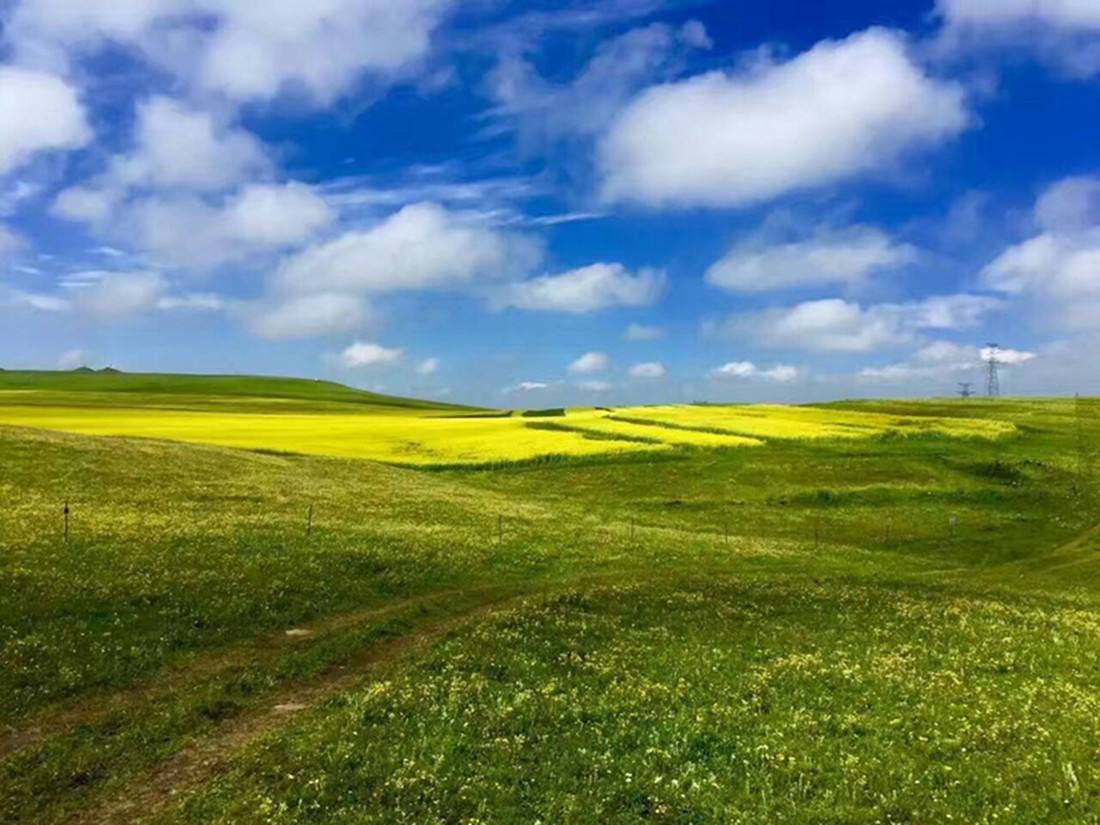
x,y
817,532
65,512
309,520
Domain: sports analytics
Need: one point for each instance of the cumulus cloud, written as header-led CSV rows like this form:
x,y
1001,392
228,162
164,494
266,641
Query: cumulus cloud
x,y
525,386
177,146
836,325
829,257
648,369
238,49
306,316
189,193
594,386
120,294
9,242
940,360
420,247
200,232
41,302
588,289
1059,268
780,373
71,359
174,147
43,113
364,354
1063,33
590,362
643,332
841,109
429,366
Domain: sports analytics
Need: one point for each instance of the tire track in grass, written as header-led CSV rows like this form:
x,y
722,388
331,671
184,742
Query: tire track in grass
x,y
207,665
149,793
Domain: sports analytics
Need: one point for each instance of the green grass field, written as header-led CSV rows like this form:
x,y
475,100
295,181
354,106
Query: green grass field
x,y
858,612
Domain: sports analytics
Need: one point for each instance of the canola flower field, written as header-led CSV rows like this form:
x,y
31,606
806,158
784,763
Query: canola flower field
x,y
859,612
445,438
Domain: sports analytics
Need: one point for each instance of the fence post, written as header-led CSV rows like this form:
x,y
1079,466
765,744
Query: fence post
x,y
817,532
65,512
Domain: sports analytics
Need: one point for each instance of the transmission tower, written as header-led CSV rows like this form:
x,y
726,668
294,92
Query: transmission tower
x,y
964,389
992,381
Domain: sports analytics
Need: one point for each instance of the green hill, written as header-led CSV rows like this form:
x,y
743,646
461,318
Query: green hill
x,y
158,389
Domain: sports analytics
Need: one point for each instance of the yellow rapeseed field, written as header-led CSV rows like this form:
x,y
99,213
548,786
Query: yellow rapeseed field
x,y
779,421
428,438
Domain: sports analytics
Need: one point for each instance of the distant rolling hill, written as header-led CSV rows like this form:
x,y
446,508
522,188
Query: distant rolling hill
x,y
154,389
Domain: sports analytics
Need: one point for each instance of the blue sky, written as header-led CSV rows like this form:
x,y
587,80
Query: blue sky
x,y
532,204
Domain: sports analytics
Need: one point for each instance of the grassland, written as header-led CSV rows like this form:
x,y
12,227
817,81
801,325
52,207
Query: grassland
x,y
868,612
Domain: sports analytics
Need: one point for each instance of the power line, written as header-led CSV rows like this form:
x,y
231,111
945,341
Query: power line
x,y
992,381
964,389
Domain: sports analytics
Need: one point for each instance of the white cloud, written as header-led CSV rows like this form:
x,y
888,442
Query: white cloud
x,y
177,146
1063,33
240,49
649,369
594,386
545,111
422,246
525,386
194,302
429,366
9,243
642,332
590,362
71,359
306,316
835,325
86,204
942,362
41,302
1068,13
1058,270
187,193
841,109
322,46
847,256
120,294
780,373
588,289
200,233
275,216
1006,356
1070,205
174,148
363,354
42,113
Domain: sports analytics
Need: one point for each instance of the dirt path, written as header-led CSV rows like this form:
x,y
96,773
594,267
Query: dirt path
x,y
152,791
203,666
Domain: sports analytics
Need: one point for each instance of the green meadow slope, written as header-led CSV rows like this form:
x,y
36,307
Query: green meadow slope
x,y
886,629
111,388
